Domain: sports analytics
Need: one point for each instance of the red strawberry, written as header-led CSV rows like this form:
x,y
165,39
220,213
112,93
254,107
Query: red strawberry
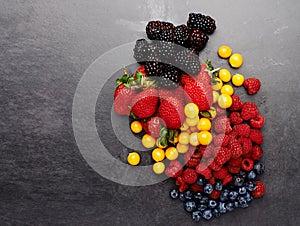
x,y
249,111
171,111
257,122
178,93
243,130
153,126
235,118
223,156
203,75
200,93
259,190
189,176
221,124
221,174
256,136
257,152
252,85
122,99
144,104
237,104
141,69
185,78
247,164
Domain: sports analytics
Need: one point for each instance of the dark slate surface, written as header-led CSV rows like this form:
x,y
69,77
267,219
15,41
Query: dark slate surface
x,y
46,46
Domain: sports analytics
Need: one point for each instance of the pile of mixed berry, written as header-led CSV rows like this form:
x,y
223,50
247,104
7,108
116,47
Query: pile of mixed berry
x,y
197,129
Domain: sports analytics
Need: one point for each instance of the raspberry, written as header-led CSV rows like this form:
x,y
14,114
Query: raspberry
x,y
223,156
204,172
227,179
196,188
214,166
257,152
232,135
249,111
196,153
246,145
189,176
210,152
192,162
237,104
243,130
234,169
235,162
252,85
221,140
183,187
235,149
174,169
235,118
212,180
221,174
257,122
215,194
221,124
259,190
256,136
247,164
220,111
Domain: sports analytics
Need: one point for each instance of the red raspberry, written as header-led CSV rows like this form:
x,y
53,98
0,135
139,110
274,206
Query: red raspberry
x,y
183,187
189,176
256,136
215,194
221,140
259,191
247,164
257,122
227,179
234,169
233,135
212,180
192,162
235,118
235,149
257,152
252,85
246,145
214,166
174,169
249,111
205,172
196,188
243,130
223,156
221,124
220,111
237,104
210,152
235,162
221,174
196,153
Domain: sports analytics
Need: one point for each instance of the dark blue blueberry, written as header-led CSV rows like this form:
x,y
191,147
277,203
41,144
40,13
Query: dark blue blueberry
x,y
259,168
202,207
188,194
248,197
229,206
216,213
224,195
221,207
189,206
196,215
208,188
233,195
204,200
212,203
218,186
174,193
251,175
182,197
250,185
197,196
207,214
242,190
200,181
238,181
242,202
243,174
236,204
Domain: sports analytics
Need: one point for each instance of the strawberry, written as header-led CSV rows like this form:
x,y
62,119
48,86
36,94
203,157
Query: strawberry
x,y
185,78
257,122
256,136
145,103
237,104
257,152
122,99
153,126
259,190
203,75
178,93
235,118
171,112
249,111
252,85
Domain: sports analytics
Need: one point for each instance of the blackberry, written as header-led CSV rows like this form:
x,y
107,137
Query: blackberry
x,y
169,78
181,35
164,50
202,22
188,62
197,40
160,30
140,51
153,68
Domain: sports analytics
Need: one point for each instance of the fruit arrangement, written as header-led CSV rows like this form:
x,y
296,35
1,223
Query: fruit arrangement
x,y
197,129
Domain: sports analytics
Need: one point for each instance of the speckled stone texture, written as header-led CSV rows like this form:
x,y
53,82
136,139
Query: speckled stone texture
x,y
46,46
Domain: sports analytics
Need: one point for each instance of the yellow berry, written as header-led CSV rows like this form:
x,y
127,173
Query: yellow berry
x,y
184,138
215,96
191,110
158,167
205,137
171,153
148,141
133,158
194,139
236,60
224,51
192,121
218,85
237,80
227,89
158,154
224,75
136,127
224,101
182,148
204,124
213,112
184,127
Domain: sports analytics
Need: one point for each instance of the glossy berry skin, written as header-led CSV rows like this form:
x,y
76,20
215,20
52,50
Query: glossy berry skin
x,y
200,181
250,185
221,207
224,195
236,60
218,186
242,190
259,168
174,193
207,214
197,196
202,207
208,188
224,51
229,206
251,175
216,213
233,195
188,194
242,202
182,197
212,204
133,158
190,206
196,216
204,200
237,80
248,197
238,180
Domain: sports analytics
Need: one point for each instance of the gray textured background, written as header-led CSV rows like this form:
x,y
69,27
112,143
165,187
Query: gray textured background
x,y
45,47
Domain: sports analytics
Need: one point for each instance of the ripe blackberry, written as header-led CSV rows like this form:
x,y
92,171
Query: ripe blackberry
x,y
154,68
181,35
164,51
188,62
169,78
160,30
197,40
141,50
204,23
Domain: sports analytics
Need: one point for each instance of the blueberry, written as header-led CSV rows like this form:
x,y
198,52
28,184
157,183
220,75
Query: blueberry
x,y
242,202
236,204
196,215
204,200
251,175
218,186
224,195
202,207
188,194
207,214
243,174
182,197
189,206
216,213
221,207
200,181
229,206
212,203
197,196
233,195
242,190
174,193
208,188
238,181
248,197
250,185
259,168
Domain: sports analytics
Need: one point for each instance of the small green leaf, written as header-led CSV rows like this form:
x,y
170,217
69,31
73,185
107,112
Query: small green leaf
x,y
205,114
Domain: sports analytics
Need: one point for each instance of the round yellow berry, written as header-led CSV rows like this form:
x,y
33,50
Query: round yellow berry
x,y
191,110
224,51
184,138
158,154
182,148
237,80
224,75
148,141
204,124
205,137
215,96
136,127
171,153
227,89
224,101
236,60
192,121
194,139
133,158
158,167
184,127
218,84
